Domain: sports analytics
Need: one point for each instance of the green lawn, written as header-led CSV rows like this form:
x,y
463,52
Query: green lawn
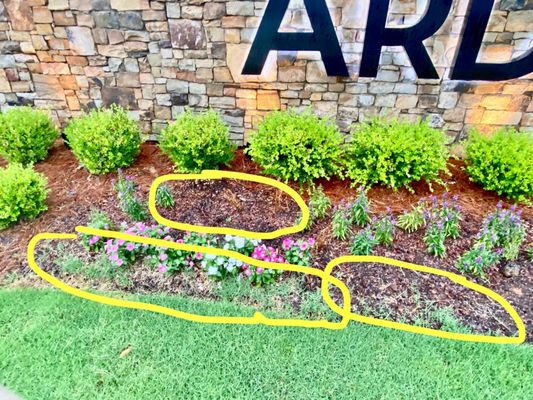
x,y
53,346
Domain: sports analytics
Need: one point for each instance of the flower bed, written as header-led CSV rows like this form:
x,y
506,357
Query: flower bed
x,y
73,196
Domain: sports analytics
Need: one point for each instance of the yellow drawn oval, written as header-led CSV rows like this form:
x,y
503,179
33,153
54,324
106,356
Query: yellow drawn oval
x,y
229,231
258,318
420,330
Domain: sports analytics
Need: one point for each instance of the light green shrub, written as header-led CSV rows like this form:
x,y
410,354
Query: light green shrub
x,y
502,162
197,142
104,140
396,153
23,194
297,147
26,135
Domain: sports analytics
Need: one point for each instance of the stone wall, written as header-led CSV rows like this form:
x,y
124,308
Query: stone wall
x,y
157,57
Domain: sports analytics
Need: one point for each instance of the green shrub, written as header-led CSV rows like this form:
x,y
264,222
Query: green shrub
x,y
104,140
502,162
196,142
297,147
26,135
396,153
23,194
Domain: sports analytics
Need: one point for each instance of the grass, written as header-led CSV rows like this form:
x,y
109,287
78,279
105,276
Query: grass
x,y
55,346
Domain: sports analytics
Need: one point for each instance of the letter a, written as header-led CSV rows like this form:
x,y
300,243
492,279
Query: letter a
x,y
323,38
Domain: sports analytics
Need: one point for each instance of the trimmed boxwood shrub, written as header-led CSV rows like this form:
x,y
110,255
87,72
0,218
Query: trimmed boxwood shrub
x,y
196,142
23,194
26,135
297,147
396,153
502,162
104,140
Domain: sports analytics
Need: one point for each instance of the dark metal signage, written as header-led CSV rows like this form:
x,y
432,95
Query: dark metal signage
x,y
324,39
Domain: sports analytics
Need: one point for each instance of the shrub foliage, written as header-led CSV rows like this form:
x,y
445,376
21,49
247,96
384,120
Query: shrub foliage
x,y
395,153
196,142
104,140
502,162
26,135
297,147
23,194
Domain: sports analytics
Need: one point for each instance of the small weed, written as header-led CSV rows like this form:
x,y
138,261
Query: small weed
x,y
163,197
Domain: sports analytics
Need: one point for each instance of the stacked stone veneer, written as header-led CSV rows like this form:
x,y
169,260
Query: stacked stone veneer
x,y
157,57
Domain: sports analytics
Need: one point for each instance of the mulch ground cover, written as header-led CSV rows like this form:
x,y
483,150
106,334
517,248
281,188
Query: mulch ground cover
x,y
397,293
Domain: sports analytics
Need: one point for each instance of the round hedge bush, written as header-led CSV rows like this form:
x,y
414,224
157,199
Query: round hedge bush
x,y
104,140
396,153
297,147
502,162
197,142
26,135
23,194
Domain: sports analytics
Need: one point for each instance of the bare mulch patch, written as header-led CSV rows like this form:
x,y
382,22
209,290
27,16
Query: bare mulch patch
x,y
74,192
233,204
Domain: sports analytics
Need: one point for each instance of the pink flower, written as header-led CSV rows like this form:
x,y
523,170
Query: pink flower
x,y
162,268
121,242
167,237
163,256
199,256
179,241
120,262
311,241
113,257
304,246
259,271
244,267
191,264
130,247
247,272
287,243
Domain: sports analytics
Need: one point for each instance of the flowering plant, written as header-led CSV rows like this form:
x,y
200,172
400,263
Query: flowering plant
x,y
384,228
360,209
504,229
341,221
501,237
363,243
258,275
97,220
298,252
126,189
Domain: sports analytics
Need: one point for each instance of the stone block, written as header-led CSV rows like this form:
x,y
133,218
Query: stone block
x,y
81,41
125,5
268,100
124,97
187,34
20,14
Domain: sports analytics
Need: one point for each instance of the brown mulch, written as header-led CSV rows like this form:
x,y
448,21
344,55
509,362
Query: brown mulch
x,y
231,203
74,192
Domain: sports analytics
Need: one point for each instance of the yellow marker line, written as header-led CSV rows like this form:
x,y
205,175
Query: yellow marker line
x,y
427,331
258,318
229,231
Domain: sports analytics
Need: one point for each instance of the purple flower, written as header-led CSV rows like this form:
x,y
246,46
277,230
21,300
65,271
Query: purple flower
x,y
478,260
